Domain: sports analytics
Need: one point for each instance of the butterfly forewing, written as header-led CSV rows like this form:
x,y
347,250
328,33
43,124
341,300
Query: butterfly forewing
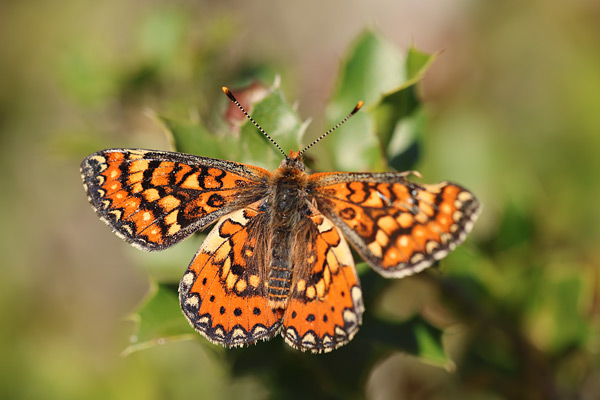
x,y
398,227
154,199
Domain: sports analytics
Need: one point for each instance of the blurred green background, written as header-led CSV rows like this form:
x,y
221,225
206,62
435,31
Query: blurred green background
x,y
513,105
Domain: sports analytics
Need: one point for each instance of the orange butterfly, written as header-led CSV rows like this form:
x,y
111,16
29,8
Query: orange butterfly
x,y
277,259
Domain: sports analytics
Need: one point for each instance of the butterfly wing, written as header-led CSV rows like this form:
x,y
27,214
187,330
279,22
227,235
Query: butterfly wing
x,y
154,199
325,305
398,227
223,292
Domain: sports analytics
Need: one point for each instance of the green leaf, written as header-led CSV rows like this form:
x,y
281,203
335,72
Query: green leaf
x,y
414,336
571,328
345,369
410,333
400,122
280,121
399,117
273,113
429,344
516,228
372,67
388,131
390,110
194,139
417,64
159,320
355,147
404,148
167,266
554,312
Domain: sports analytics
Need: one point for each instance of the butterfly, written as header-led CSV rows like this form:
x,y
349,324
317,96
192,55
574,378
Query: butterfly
x,y
277,260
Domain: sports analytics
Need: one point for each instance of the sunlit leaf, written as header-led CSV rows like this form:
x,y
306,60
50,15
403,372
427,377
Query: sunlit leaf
x,y
399,118
193,138
280,121
372,67
376,72
168,266
159,320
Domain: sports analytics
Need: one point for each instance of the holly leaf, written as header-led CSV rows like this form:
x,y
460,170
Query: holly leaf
x,y
388,131
280,121
159,320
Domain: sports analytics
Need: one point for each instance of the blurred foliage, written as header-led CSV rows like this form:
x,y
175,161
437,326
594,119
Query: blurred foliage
x,y
511,113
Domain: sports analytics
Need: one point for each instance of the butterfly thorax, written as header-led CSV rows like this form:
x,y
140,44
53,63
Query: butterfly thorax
x,y
289,208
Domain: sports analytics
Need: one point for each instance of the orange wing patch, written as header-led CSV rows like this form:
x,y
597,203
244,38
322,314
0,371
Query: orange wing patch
x,y
325,307
155,199
400,227
223,292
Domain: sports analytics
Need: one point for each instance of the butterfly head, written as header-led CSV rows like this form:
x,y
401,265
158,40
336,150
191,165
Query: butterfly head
x,y
293,161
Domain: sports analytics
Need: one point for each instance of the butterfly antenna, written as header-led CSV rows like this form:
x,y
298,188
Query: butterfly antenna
x,y
237,103
358,106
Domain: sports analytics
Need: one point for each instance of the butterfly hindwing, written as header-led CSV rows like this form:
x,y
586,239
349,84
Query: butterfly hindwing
x,y
398,227
154,199
325,306
223,292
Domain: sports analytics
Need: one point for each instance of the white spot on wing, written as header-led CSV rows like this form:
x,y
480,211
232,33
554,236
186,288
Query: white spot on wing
x,y
188,279
350,317
258,330
192,301
464,196
238,333
309,340
219,333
